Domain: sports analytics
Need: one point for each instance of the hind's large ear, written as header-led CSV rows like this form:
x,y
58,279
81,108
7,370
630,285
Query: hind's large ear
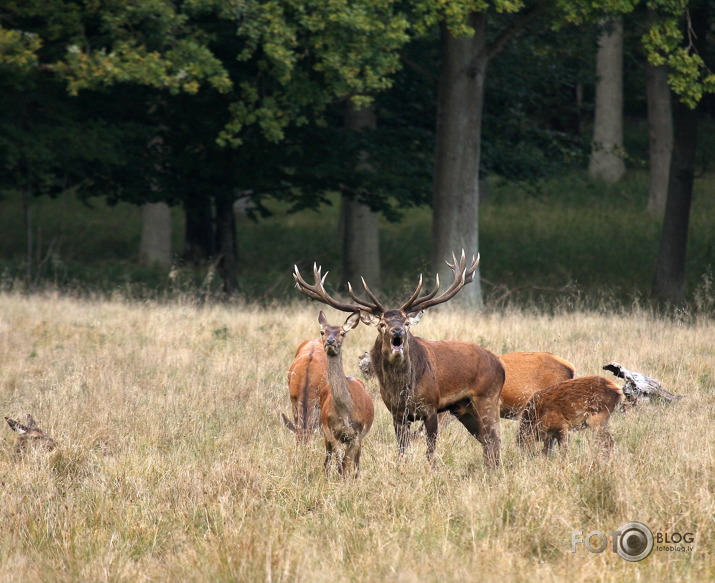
x,y
369,319
352,321
322,320
415,317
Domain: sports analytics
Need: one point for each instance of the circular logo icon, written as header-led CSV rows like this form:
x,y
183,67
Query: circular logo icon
x,y
635,542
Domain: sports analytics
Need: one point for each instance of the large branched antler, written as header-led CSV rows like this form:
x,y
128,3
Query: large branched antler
x,y
462,276
317,292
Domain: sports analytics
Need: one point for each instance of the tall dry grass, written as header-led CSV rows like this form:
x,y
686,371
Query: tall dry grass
x,y
173,464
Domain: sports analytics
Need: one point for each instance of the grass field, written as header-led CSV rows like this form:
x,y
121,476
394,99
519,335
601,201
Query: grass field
x,y
172,463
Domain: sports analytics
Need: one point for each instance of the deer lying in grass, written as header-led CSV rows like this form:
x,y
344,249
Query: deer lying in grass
x,y
527,373
30,434
307,380
346,409
420,378
551,414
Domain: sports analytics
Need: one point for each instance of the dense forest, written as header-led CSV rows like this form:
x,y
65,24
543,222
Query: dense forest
x,y
414,128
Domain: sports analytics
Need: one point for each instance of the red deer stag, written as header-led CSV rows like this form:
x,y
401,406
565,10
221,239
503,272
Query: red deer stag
x,y
346,410
527,373
307,380
30,434
568,406
420,378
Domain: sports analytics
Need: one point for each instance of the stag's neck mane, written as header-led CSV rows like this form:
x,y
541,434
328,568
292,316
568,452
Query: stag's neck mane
x,y
342,399
395,376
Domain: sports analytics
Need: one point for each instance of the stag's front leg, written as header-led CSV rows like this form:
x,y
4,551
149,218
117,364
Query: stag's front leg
x,y
431,430
402,432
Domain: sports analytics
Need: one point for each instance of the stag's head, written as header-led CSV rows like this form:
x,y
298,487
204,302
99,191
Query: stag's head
x,y
333,336
393,326
394,332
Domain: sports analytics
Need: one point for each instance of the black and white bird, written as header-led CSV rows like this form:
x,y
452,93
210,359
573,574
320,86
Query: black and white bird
x,y
639,386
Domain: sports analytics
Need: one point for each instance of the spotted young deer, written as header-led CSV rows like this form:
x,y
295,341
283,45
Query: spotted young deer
x,y
420,378
527,373
307,380
346,409
551,414
30,433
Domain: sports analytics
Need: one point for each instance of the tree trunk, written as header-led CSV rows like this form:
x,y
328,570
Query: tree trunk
x,y
606,161
660,135
155,246
669,283
455,223
226,234
359,224
199,242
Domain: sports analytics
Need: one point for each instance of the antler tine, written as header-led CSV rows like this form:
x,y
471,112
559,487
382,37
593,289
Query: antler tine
x,y
376,302
317,291
462,276
406,306
372,307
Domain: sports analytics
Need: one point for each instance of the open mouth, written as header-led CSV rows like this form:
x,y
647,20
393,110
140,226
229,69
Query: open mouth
x,y
397,345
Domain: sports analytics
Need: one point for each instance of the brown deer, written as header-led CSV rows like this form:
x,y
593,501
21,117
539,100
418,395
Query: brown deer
x,y
420,378
551,414
307,380
30,434
527,373
346,409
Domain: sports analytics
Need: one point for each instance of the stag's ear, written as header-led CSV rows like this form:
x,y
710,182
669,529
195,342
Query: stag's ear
x,y
415,317
352,321
369,319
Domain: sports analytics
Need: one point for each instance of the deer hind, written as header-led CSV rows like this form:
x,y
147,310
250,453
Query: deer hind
x,y
528,373
30,433
346,410
420,378
307,380
551,414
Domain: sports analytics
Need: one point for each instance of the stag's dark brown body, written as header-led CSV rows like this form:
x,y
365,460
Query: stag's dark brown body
x,y
571,405
438,376
527,373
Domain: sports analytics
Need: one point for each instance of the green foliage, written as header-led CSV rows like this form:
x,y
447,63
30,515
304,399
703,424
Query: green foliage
x,y
670,41
18,49
308,54
454,14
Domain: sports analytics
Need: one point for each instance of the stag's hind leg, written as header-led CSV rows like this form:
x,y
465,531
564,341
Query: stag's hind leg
x,y
484,425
